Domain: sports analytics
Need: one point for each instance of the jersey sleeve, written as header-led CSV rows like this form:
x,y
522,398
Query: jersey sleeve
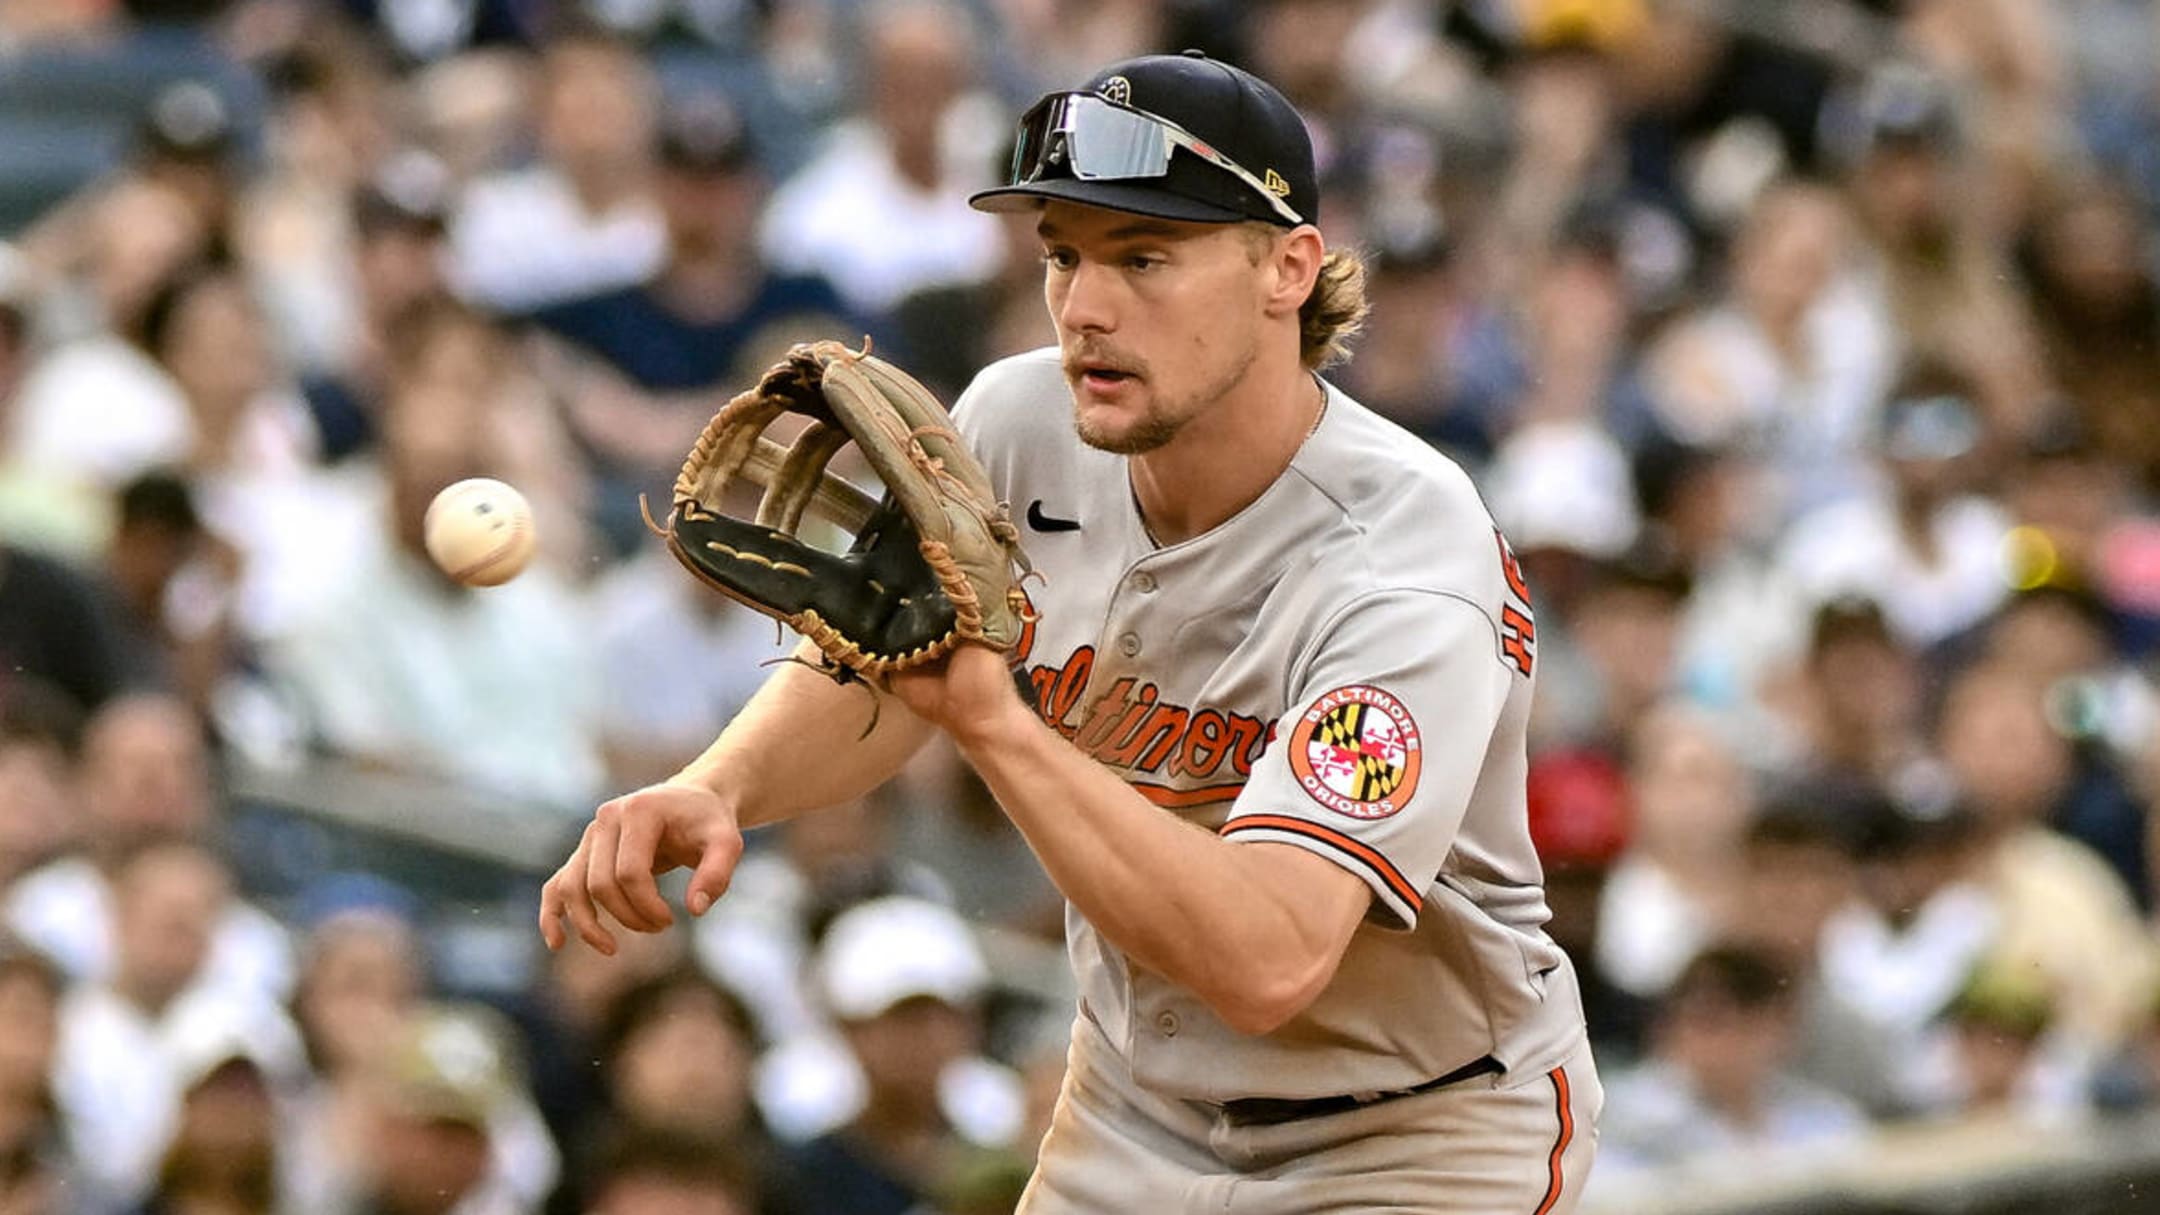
x,y
1391,724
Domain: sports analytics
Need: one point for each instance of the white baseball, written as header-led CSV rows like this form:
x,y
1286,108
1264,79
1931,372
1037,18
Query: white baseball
x,y
480,531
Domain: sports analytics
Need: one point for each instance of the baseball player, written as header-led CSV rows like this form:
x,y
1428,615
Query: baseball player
x,y
1274,757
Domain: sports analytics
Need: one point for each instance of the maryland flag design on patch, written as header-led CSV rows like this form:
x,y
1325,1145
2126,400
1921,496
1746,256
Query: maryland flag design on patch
x,y
1355,750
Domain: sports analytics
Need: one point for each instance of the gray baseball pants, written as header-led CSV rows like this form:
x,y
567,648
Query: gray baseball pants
x,y
1496,1145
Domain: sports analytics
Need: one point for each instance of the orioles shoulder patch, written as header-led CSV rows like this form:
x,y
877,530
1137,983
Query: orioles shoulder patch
x,y
1356,751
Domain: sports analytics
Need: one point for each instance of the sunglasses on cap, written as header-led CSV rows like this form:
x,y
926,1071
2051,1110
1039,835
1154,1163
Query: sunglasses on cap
x,y
1095,139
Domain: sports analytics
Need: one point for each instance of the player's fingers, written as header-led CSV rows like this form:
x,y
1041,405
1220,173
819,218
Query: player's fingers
x,y
555,895
636,843
605,838
551,912
715,869
574,881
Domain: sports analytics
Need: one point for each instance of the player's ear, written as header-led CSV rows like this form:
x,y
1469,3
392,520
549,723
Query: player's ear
x,y
1295,263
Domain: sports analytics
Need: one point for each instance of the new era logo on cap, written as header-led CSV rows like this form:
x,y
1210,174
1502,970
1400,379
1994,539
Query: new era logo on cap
x,y
1117,89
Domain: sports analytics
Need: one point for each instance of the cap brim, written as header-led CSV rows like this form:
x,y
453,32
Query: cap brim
x,y
1130,197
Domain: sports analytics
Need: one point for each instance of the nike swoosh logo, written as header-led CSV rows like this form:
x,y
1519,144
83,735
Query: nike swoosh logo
x,y
1047,523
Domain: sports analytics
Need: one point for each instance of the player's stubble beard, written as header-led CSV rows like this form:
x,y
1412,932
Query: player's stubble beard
x,y
1162,420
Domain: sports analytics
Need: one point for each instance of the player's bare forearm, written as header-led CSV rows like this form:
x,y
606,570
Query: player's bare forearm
x,y
1255,930
801,744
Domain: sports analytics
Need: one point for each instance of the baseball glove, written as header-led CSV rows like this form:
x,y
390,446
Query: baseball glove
x,y
935,562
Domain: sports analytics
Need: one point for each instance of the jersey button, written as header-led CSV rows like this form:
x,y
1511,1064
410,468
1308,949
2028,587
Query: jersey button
x,y
1128,644
1167,1022
1143,582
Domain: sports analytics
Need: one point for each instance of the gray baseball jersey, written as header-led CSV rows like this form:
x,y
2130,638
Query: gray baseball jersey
x,y
1345,666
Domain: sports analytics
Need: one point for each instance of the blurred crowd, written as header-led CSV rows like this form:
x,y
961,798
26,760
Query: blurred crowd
x,y
1809,353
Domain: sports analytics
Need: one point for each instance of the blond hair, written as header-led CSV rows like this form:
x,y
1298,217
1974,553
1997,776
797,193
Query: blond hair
x,y
1335,311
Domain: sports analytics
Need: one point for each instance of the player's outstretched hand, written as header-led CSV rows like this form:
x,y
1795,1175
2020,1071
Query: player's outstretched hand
x,y
629,841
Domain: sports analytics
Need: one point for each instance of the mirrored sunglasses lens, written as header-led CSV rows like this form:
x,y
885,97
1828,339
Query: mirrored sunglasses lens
x,y
1033,142
1107,143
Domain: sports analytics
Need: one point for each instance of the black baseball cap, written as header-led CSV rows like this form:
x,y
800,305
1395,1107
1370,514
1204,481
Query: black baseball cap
x,y
1231,111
